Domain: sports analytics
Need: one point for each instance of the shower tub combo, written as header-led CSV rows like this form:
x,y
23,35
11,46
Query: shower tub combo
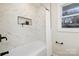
x,y
37,48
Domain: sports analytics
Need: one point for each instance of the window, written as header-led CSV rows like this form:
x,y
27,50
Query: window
x,y
70,16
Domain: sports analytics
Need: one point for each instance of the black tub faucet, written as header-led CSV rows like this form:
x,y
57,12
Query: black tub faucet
x,y
2,37
4,53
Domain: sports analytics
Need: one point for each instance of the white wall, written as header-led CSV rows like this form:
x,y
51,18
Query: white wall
x,y
70,39
16,34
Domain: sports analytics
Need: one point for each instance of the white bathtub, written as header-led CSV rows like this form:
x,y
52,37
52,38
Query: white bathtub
x,y
37,48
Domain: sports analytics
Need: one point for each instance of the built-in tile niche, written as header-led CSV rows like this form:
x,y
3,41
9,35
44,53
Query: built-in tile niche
x,y
24,21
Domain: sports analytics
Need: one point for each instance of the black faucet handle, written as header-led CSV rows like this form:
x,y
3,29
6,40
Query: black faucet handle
x,y
2,38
